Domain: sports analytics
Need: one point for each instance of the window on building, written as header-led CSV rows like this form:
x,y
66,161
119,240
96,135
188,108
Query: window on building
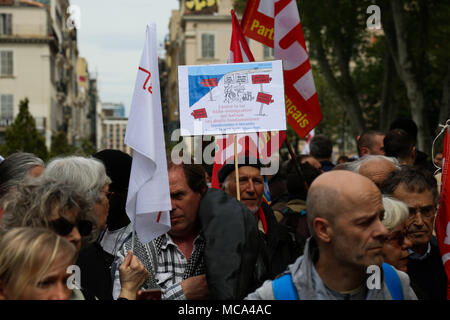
x,y
5,23
268,52
207,45
6,63
6,107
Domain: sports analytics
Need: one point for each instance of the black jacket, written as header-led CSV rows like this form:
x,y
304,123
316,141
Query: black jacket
x,y
233,246
95,265
281,245
429,275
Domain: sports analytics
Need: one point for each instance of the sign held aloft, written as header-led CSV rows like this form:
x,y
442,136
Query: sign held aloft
x,y
228,98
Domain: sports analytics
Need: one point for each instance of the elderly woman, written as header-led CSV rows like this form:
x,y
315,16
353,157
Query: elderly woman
x,y
396,245
33,264
17,167
88,177
48,203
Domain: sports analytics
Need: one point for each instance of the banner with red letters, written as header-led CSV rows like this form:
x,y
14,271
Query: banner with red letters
x,y
443,216
276,23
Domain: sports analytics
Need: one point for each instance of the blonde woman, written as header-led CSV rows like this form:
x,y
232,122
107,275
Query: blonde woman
x,y
33,265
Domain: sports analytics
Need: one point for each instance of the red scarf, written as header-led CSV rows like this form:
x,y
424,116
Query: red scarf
x,y
262,217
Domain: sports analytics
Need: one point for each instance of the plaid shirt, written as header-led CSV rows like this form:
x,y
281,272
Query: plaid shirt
x,y
171,265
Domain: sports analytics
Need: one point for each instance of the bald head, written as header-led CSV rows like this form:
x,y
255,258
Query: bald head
x,y
338,193
377,168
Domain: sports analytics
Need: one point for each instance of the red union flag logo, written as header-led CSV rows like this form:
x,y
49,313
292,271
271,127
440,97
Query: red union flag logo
x,y
209,82
199,113
264,98
276,23
260,78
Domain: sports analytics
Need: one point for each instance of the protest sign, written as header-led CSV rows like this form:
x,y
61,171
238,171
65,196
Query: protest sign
x,y
231,98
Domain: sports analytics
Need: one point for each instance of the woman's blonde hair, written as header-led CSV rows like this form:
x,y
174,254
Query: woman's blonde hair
x,y
27,255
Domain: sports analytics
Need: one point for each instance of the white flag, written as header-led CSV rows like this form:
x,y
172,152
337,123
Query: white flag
x,y
148,201
308,140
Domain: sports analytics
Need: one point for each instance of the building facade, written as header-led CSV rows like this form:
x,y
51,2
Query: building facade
x,y
114,129
39,60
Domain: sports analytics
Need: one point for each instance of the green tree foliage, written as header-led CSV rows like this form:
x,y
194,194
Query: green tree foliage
x,y
375,77
60,146
86,148
23,136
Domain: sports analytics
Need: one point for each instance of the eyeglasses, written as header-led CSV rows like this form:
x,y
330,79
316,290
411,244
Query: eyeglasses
x,y
426,211
63,227
398,237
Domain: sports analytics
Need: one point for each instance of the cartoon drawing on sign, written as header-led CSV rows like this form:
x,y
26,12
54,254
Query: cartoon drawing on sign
x,y
262,97
236,93
227,97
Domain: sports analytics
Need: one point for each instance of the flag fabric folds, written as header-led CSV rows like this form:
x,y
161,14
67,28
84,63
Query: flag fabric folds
x,y
308,140
443,216
148,200
276,23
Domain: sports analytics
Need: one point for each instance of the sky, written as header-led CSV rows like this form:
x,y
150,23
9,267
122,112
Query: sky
x,y
111,38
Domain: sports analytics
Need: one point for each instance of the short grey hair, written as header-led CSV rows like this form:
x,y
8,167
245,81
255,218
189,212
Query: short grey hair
x,y
356,165
226,183
32,203
86,175
395,212
322,201
15,168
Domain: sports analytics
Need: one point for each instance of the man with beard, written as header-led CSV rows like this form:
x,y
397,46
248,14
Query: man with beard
x,y
347,237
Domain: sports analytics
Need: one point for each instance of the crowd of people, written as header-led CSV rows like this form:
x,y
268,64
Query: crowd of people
x,y
328,226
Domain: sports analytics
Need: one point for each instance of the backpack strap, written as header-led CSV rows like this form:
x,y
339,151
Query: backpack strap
x,y
393,282
284,289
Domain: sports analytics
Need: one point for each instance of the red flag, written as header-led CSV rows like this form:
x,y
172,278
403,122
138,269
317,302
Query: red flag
x,y
276,23
443,216
257,145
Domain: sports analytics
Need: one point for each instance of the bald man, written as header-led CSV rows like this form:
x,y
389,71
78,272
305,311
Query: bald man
x,y
377,168
347,238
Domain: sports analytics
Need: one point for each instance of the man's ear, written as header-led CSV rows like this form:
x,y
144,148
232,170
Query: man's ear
x,y
323,230
364,151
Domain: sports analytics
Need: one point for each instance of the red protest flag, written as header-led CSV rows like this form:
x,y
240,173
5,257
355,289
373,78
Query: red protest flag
x,y
280,18
443,216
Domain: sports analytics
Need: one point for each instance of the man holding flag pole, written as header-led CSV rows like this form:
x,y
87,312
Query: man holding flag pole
x,y
175,216
244,181
149,196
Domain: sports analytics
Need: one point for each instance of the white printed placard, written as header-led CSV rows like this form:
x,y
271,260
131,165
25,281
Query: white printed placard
x,y
231,98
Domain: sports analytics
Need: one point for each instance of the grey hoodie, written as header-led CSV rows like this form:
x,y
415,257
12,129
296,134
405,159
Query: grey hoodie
x,y
310,286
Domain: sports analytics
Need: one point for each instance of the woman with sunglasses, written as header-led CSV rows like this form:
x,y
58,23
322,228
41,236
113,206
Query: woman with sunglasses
x,y
49,204
396,245
54,205
33,265
88,177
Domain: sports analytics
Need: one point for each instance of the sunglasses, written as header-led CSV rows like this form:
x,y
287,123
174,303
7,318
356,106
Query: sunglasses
x,y
63,227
